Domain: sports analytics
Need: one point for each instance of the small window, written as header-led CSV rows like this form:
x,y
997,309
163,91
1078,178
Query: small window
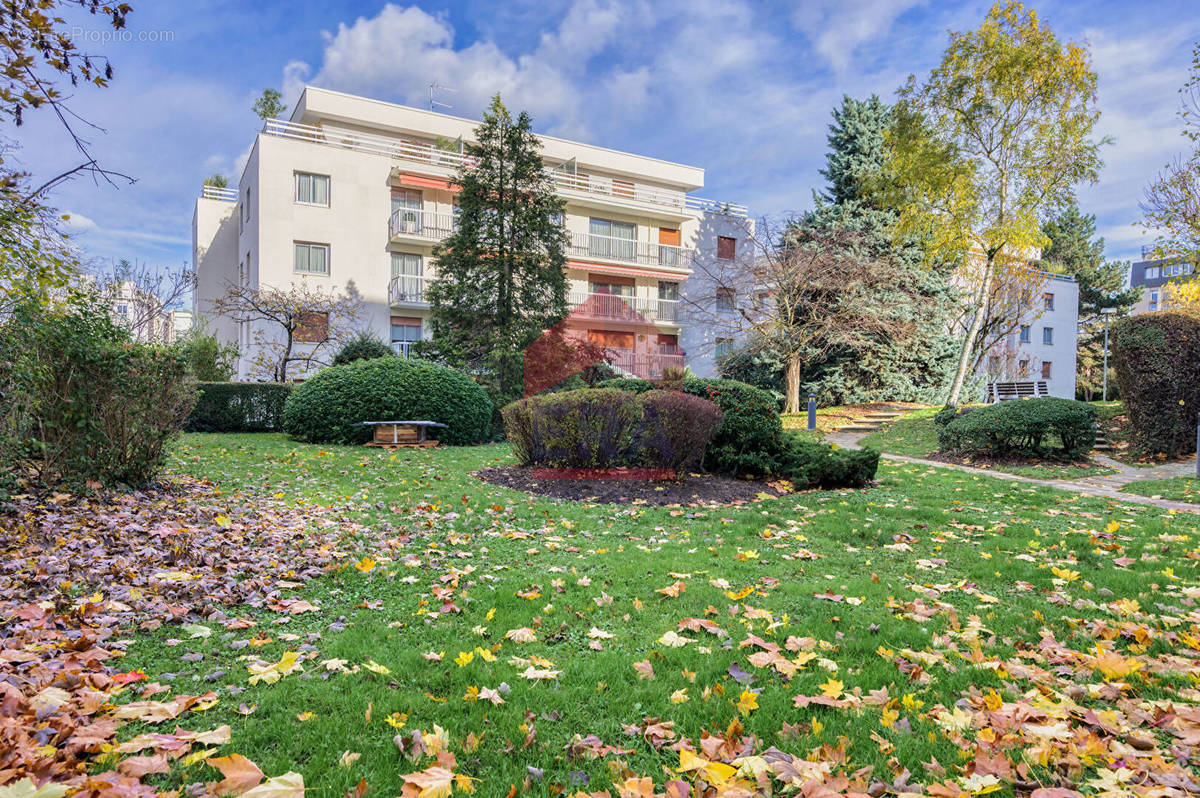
x,y
1153,272
246,206
312,328
1047,335
312,258
723,347
1023,368
407,332
1048,301
1154,300
312,189
726,247
1024,334
668,291
1045,369
725,297
122,310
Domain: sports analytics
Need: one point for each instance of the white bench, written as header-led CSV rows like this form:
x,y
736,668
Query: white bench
x,y
1004,391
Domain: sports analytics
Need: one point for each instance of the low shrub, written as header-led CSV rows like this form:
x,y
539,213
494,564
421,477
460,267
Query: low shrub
x,y
575,429
676,429
748,440
631,384
82,401
807,464
1157,360
328,407
1025,428
239,407
364,346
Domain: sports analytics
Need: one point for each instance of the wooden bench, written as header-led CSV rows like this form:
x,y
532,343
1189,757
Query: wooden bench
x,y
402,434
1005,391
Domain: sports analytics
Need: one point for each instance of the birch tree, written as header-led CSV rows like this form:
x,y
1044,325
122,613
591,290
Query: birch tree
x,y
998,134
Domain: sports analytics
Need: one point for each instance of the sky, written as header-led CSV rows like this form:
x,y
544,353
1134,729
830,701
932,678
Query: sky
x,y
742,89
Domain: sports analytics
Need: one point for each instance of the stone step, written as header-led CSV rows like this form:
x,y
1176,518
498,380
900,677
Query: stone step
x,y
882,415
858,428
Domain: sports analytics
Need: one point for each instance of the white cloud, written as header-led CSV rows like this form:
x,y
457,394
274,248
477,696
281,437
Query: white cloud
x,y
837,28
77,223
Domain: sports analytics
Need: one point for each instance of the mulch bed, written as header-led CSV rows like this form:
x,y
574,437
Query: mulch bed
x,y
695,489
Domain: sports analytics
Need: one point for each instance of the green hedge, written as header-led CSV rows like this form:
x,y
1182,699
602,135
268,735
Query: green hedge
x,y
327,408
1157,360
631,384
748,440
239,407
807,464
1021,427
610,428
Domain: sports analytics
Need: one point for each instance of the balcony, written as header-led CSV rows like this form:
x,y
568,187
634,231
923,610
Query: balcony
x,y
219,193
614,307
408,290
401,149
421,224
624,250
646,365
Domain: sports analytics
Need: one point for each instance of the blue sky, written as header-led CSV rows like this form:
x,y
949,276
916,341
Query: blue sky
x,y
743,89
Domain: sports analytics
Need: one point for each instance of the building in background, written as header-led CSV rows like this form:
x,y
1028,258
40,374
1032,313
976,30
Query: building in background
x,y
1042,348
1152,276
141,311
352,193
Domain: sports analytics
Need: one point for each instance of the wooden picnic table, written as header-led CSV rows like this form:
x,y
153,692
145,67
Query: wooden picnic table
x,y
402,433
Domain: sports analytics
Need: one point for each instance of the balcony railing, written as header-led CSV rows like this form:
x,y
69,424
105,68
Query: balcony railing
x,y
617,307
402,348
645,253
647,365
219,193
420,223
407,289
426,153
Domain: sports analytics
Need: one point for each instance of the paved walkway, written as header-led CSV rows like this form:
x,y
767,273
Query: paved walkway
x,y
1105,487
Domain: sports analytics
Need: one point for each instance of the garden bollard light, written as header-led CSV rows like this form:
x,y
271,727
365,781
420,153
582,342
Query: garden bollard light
x,y
812,411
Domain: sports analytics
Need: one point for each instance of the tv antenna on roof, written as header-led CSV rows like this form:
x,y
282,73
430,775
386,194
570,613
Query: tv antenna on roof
x,y
433,103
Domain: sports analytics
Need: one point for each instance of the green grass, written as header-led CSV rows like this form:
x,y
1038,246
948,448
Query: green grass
x,y
915,435
1182,489
434,526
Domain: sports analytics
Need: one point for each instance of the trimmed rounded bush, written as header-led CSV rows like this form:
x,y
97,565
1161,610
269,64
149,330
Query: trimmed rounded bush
x,y
1157,359
326,408
364,346
676,429
1022,428
748,440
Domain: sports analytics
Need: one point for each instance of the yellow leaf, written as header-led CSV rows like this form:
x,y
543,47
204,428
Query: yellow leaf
x,y
464,658
306,716
289,785
366,564
832,688
680,696
397,719
747,702
375,667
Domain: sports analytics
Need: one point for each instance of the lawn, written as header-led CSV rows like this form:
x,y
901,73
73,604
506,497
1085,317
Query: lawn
x,y
1183,489
915,435
557,646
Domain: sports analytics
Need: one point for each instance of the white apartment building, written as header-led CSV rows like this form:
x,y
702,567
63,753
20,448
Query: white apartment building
x,y
1042,348
353,193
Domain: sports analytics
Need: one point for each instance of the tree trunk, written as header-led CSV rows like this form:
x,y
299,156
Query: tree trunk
x,y
792,403
964,357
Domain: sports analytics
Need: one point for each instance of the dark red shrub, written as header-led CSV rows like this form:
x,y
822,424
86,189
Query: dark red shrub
x,y
676,429
1157,359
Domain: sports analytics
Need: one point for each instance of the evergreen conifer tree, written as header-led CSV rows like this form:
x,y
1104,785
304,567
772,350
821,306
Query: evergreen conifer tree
x,y
500,279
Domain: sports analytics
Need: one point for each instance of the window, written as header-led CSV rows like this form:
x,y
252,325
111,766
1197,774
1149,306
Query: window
x,y
122,310
1047,335
725,297
614,286
1177,269
668,291
404,332
1045,369
408,280
312,328
723,347
1023,336
1153,272
1048,301
668,344
726,247
1023,368
312,189
611,339
246,206
312,258
610,239
1154,300
668,246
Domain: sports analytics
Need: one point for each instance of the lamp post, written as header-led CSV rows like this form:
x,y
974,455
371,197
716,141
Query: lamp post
x,y
1106,313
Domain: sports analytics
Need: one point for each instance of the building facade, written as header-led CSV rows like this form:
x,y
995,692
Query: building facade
x,y
352,194
1042,347
1151,276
